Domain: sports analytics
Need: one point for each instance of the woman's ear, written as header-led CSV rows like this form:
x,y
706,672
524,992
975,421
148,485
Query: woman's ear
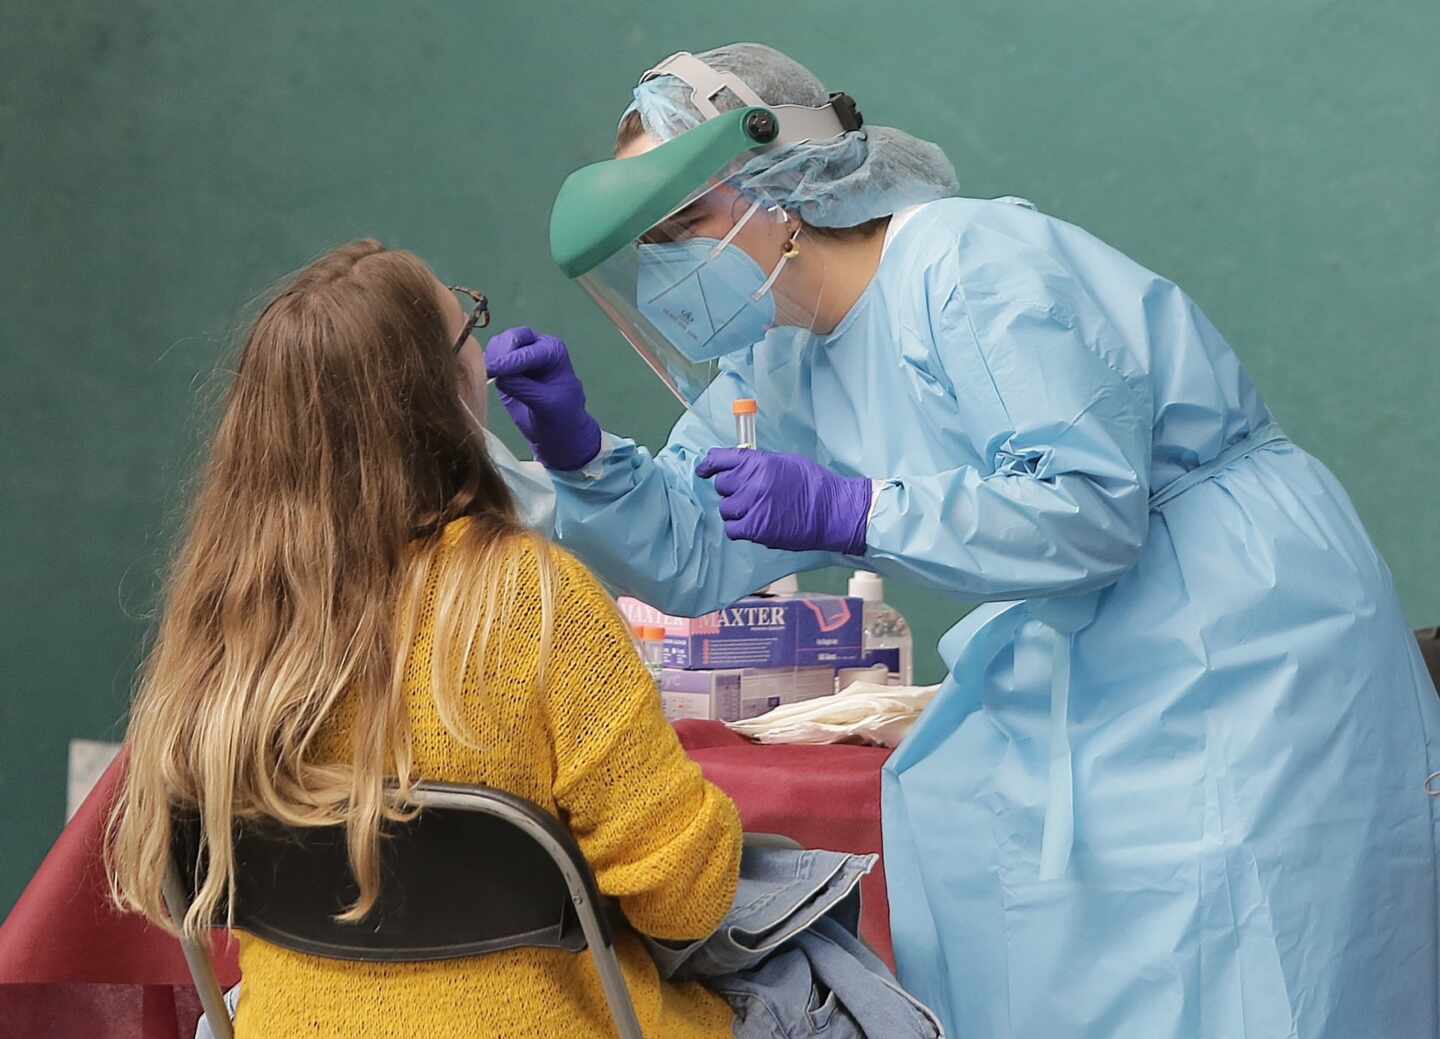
x,y
473,380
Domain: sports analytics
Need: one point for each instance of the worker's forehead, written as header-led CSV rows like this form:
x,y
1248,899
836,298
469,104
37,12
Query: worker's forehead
x,y
638,146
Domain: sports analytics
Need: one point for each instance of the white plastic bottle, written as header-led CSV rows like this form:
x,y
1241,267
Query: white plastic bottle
x,y
785,586
887,635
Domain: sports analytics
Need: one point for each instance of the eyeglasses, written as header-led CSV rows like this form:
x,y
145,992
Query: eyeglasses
x,y
479,316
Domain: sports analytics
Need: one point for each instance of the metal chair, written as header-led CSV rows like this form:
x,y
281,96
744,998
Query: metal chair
x,y
477,871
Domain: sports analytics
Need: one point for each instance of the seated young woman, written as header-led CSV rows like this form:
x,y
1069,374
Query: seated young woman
x,y
354,601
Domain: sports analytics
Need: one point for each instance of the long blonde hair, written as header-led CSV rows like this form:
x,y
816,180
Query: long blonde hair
x,y
342,453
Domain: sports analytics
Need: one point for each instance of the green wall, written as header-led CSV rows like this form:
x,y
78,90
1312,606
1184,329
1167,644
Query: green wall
x,y
161,163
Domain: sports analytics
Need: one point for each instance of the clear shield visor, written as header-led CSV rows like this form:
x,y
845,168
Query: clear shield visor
x,y
712,279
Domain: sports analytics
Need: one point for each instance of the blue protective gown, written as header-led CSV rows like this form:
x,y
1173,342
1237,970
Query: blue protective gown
x,y
1174,783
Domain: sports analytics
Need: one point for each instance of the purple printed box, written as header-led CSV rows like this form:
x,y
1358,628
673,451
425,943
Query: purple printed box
x,y
808,630
738,694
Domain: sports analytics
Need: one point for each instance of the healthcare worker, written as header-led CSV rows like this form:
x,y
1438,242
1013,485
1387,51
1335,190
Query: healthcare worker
x,y
1174,785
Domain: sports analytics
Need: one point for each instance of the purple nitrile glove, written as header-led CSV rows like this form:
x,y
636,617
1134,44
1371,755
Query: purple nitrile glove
x,y
787,501
543,396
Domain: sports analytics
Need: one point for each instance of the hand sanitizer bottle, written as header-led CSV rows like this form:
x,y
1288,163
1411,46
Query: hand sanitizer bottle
x,y
887,635
784,586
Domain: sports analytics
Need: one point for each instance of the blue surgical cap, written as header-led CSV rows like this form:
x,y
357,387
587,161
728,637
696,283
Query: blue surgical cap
x,y
841,182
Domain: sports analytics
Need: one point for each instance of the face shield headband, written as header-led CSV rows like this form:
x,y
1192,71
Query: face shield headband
x,y
798,123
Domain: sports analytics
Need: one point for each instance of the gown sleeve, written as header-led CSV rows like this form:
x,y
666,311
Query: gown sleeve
x,y
648,526
1059,503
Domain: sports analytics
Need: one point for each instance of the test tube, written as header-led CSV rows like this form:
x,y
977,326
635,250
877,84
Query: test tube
x,y
745,411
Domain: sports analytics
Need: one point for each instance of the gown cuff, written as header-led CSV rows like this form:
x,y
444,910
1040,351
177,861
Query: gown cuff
x,y
876,486
880,491
596,468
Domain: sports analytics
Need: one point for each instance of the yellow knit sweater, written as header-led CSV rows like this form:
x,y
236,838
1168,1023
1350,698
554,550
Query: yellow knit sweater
x,y
593,748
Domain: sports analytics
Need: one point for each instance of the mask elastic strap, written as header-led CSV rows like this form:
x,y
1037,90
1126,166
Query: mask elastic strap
x,y
730,237
471,412
791,249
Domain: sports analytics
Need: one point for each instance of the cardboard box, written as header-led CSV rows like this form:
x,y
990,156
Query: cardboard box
x,y
792,631
738,693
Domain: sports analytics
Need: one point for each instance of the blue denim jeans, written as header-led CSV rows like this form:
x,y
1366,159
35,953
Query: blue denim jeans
x,y
788,958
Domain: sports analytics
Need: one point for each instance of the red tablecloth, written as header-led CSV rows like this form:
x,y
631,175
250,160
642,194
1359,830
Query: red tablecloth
x,y
72,966
823,797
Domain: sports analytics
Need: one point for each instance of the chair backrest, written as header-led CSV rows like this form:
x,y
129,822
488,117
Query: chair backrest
x,y
476,872
1429,639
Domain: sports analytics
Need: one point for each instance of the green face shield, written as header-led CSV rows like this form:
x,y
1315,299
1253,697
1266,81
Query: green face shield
x,y
667,248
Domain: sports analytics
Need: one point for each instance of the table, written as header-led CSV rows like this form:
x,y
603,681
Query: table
x,y
71,966
822,796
